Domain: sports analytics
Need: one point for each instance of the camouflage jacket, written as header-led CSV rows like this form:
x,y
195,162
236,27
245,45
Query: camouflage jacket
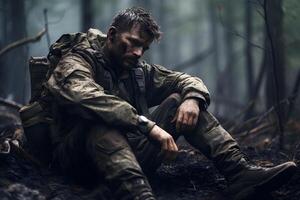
x,y
79,82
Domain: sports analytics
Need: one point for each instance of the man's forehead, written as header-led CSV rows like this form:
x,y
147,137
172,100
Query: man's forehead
x,y
138,30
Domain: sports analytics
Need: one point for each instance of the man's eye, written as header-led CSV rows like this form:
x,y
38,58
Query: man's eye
x,y
133,42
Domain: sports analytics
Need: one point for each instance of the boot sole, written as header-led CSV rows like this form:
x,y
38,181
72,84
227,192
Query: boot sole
x,y
269,185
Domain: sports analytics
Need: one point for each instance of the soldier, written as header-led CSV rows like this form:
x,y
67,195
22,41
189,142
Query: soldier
x,y
97,97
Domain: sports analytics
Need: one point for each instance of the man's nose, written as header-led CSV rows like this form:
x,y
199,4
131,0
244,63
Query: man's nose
x,y
138,51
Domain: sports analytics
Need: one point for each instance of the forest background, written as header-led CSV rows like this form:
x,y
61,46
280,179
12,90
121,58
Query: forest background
x,y
246,51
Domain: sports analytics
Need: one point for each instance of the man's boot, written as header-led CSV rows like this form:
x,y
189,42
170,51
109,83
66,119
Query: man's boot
x,y
244,179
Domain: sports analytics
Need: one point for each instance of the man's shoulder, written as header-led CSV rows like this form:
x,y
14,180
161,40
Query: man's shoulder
x,y
85,44
156,67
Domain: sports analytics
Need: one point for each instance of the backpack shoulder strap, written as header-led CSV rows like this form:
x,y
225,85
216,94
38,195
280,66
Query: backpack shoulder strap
x,y
38,68
139,77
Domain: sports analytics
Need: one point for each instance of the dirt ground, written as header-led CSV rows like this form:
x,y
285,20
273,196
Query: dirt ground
x,y
191,177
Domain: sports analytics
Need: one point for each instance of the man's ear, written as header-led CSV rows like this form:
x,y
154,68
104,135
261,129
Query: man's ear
x,y
111,34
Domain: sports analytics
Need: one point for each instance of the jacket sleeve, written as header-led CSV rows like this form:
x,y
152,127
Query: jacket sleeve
x,y
163,82
72,83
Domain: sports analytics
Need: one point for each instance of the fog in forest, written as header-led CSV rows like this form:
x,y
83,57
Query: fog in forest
x,y
245,51
225,43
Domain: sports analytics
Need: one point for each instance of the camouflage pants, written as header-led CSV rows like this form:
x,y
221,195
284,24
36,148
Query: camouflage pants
x,y
122,158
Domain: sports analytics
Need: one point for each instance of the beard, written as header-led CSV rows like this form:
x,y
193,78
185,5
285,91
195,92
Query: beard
x,y
129,62
122,59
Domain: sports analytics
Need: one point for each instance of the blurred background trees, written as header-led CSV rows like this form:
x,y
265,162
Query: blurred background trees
x,y
249,64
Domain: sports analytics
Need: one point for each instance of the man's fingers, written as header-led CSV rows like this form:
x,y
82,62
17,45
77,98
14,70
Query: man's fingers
x,y
195,121
190,123
185,121
179,121
169,149
164,150
173,145
175,117
164,146
172,150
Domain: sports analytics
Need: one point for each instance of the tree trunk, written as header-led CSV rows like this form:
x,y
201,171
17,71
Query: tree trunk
x,y
229,77
276,76
147,5
15,68
248,48
2,44
275,86
163,42
215,45
249,56
87,15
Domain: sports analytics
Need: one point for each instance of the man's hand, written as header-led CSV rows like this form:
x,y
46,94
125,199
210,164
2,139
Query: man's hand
x,y
187,115
168,146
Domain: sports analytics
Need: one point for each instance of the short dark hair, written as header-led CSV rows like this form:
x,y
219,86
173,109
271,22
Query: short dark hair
x,y
129,17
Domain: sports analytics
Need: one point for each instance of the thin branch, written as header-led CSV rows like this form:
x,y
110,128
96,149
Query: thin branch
x,y
259,118
60,18
46,26
22,42
236,33
260,5
194,60
260,13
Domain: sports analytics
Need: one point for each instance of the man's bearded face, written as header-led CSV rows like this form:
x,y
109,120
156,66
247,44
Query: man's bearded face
x,y
127,47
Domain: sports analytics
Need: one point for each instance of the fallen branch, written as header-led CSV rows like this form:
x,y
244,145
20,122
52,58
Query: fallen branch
x,y
22,42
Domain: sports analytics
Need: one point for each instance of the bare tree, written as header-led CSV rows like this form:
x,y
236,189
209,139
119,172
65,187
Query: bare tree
x,y
227,80
87,15
215,44
15,70
248,48
275,59
163,44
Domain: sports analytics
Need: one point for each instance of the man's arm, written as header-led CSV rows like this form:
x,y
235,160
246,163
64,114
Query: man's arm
x,y
163,82
72,83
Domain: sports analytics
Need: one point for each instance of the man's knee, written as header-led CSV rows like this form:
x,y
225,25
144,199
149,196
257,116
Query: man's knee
x,y
210,135
166,111
206,122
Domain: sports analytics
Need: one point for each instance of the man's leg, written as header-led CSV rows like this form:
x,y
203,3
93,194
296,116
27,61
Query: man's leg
x,y
244,179
106,152
218,145
146,151
114,159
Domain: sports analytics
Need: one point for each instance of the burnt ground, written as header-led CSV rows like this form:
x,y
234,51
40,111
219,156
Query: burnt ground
x,y
191,177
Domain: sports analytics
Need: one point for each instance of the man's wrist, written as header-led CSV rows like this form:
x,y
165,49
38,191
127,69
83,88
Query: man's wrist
x,y
145,125
203,105
195,100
